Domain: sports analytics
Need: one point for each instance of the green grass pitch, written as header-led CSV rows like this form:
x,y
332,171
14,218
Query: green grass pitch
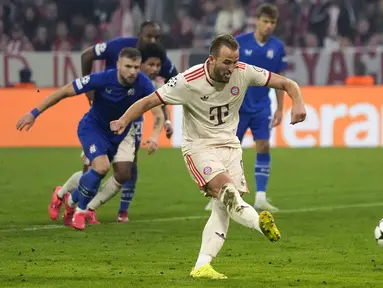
x,y
330,201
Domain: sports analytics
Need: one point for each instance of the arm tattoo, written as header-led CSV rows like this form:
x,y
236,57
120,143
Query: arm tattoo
x,y
156,122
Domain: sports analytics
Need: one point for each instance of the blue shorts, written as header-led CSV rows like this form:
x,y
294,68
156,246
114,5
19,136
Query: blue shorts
x,y
259,124
94,141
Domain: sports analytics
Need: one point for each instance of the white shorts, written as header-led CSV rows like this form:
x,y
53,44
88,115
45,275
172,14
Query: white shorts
x,y
205,164
126,151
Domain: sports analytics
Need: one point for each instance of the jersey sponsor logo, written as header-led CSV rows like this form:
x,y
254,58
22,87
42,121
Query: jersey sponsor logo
x,y
270,54
234,90
207,170
108,91
100,48
217,113
172,82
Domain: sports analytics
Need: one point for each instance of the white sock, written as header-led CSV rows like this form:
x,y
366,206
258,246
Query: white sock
x,y
70,184
239,210
110,188
70,201
203,259
260,197
214,234
80,210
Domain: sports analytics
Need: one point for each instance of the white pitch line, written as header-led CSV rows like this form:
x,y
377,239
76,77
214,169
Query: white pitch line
x,y
171,219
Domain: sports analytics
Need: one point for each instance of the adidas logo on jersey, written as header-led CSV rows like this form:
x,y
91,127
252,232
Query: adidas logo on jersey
x,y
204,98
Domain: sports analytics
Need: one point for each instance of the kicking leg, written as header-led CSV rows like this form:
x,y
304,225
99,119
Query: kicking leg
x,y
210,173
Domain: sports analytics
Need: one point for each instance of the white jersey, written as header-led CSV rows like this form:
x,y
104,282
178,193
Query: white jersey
x,y
210,109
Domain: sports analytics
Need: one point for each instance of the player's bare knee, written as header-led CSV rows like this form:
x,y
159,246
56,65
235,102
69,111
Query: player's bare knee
x,y
101,165
123,171
214,187
263,146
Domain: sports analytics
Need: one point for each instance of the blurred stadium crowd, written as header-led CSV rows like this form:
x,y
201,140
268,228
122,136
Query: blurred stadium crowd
x,y
72,25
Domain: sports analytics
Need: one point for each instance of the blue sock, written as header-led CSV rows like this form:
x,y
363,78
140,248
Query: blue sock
x,y
128,190
75,195
87,189
262,171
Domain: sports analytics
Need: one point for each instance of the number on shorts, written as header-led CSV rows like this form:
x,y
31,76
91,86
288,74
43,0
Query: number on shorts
x,y
138,130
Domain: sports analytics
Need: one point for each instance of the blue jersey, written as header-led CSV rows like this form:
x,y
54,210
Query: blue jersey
x,y
270,56
110,50
111,99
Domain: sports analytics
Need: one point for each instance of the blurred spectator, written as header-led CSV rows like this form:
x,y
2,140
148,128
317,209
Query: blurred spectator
x,y
91,37
18,42
154,10
77,27
49,15
231,18
63,41
3,37
30,21
126,20
65,25
40,41
342,19
205,27
182,29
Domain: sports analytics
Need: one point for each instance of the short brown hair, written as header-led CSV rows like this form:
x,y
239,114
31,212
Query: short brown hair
x,y
131,53
223,40
268,10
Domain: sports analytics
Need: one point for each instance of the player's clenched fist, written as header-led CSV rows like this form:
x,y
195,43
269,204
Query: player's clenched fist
x,y
151,144
26,121
298,113
118,126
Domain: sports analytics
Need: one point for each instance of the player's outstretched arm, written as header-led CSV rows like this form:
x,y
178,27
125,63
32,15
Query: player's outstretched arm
x,y
298,112
152,142
278,114
159,121
29,118
135,111
87,58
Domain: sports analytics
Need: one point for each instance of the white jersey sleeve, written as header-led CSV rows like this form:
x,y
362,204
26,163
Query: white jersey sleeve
x,y
256,76
174,92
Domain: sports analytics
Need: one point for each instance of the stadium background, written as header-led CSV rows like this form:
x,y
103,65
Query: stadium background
x,y
330,198
325,42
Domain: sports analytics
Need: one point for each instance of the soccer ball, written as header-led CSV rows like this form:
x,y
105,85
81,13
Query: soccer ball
x,y
379,233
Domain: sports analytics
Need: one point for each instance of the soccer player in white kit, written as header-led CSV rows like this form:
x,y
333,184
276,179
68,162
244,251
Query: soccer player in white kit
x,y
211,95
